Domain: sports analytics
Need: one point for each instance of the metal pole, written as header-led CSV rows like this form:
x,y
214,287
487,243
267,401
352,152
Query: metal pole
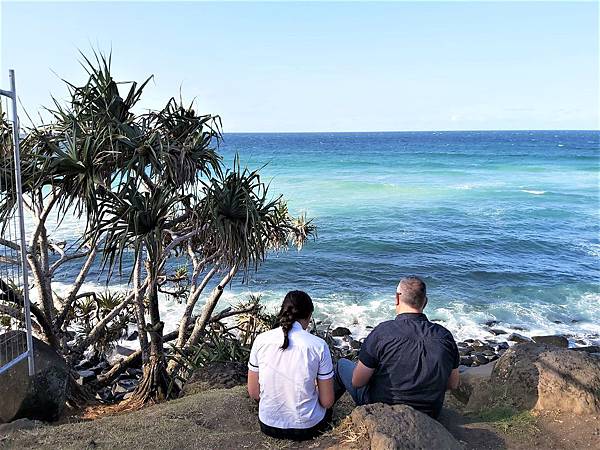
x,y
19,189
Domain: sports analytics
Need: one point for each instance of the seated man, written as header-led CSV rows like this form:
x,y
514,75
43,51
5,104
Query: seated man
x,y
409,360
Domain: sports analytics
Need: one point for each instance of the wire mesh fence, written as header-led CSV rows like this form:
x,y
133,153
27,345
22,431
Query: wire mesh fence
x,y
15,321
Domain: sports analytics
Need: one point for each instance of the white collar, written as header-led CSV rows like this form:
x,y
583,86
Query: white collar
x,y
296,326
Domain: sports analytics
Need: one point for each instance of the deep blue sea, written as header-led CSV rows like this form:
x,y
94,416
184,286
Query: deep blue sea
x,y
502,225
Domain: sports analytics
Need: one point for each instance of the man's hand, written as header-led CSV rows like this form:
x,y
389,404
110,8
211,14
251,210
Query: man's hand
x,y
454,380
361,375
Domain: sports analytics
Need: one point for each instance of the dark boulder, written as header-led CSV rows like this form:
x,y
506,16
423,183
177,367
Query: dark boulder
x,y
133,336
501,346
516,337
340,331
354,344
466,361
556,341
86,376
480,359
40,397
497,331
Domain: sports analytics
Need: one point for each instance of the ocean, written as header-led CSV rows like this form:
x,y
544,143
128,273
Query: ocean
x,y
502,225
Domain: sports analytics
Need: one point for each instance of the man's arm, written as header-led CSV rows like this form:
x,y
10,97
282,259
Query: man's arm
x,y
253,385
361,375
454,380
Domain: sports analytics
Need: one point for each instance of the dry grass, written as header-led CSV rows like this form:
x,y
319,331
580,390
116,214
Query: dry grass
x,y
348,434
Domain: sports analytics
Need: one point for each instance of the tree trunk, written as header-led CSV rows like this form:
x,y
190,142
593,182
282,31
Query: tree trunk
x,y
155,383
45,279
140,308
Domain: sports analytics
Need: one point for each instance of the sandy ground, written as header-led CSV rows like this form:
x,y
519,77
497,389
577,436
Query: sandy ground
x,y
227,419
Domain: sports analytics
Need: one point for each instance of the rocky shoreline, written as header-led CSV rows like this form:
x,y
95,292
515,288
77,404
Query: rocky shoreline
x,y
473,353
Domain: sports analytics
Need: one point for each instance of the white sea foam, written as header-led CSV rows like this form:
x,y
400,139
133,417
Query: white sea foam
x,y
463,319
464,187
579,315
533,192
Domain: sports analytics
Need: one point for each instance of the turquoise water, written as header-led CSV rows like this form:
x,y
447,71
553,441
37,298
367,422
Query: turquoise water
x,y
502,225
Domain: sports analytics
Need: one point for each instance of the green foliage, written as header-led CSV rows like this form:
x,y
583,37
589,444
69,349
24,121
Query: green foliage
x,y
218,345
509,420
147,184
223,341
253,323
5,321
91,309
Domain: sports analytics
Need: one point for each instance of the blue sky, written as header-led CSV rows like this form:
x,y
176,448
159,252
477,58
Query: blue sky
x,y
327,66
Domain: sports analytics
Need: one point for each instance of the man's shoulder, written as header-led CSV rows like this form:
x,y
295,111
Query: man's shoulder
x,y
383,328
440,331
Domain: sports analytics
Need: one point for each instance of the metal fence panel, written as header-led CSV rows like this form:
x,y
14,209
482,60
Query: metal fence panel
x,y
16,342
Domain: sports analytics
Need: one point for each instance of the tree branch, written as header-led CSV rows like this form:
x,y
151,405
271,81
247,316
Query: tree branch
x,y
10,244
63,259
40,317
41,219
76,286
95,332
134,358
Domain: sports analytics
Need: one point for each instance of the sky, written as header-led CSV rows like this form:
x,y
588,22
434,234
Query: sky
x,y
284,66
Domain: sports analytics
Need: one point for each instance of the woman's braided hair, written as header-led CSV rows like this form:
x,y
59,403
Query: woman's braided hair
x,y
296,305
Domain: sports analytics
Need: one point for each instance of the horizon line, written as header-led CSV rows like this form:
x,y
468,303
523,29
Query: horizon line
x,y
416,131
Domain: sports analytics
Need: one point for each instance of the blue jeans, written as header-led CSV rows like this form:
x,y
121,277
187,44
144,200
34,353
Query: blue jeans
x,y
343,383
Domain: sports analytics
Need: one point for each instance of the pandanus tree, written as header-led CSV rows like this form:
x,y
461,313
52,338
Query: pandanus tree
x,y
149,187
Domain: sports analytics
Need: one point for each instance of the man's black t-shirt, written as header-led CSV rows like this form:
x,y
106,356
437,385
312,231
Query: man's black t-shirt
x,y
412,358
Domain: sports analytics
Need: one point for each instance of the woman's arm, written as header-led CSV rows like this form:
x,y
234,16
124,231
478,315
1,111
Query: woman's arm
x,y
326,394
253,385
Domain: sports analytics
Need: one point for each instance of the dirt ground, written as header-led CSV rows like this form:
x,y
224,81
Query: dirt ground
x,y
227,419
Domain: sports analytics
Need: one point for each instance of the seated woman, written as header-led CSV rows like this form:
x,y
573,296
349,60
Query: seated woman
x,y
290,373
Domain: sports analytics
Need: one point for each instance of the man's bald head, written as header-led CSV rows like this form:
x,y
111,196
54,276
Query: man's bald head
x,y
412,292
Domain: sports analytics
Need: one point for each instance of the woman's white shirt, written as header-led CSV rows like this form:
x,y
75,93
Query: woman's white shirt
x,y
287,378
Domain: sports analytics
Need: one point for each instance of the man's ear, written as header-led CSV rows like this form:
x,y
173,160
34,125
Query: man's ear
x,y
425,304
397,298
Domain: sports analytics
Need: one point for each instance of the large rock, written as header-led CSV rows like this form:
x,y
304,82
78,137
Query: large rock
x,y
515,378
471,379
531,376
340,332
569,381
557,341
402,427
39,397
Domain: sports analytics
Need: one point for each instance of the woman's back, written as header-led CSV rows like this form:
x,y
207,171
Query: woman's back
x,y
288,393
